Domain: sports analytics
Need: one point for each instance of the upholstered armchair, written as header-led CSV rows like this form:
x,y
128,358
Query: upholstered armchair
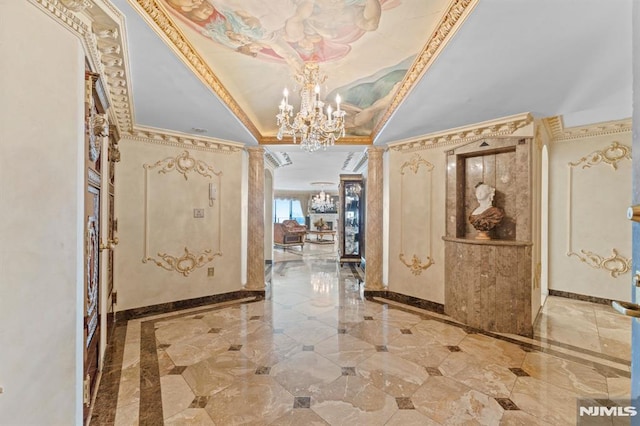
x,y
289,233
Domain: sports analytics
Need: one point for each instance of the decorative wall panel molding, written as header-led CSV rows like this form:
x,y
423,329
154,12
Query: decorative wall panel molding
x,y
446,28
503,127
560,133
184,164
416,265
615,264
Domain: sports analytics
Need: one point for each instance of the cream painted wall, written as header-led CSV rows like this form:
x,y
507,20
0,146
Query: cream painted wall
x,y
41,218
172,226
599,196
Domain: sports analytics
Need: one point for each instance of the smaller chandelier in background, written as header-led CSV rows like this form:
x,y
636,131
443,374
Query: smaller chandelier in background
x,y
311,125
323,203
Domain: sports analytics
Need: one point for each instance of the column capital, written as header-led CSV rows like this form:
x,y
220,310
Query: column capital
x,y
375,151
255,151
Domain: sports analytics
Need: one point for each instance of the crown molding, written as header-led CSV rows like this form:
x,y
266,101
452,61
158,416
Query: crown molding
x,y
182,140
157,18
346,140
501,127
560,134
450,22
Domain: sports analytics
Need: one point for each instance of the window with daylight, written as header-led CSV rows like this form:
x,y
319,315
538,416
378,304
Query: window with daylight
x,y
288,209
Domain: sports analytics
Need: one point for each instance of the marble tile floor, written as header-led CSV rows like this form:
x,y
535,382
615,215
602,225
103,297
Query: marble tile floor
x,y
316,352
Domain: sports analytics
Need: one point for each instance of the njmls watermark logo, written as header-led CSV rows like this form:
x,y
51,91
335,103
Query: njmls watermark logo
x,y
590,410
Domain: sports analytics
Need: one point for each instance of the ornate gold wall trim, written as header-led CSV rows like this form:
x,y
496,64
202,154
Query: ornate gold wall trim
x,y
559,133
416,265
615,264
611,155
188,262
449,23
182,140
157,17
503,127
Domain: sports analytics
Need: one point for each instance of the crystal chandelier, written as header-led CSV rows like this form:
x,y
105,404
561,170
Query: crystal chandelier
x,y
322,202
311,125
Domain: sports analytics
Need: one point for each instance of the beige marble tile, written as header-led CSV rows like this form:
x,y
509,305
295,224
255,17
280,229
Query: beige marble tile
x,y
441,333
353,401
305,371
190,417
374,332
345,350
176,395
299,417
129,390
269,350
394,375
420,349
493,350
619,387
491,379
410,418
222,318
219,372
575,377
283,318
165,363
197,348
521,418
449,402
127,415
246,330
180,330
398,318
256,400
310,332
545,401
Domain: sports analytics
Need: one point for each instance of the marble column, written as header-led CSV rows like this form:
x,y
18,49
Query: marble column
x,y
373,217
255,219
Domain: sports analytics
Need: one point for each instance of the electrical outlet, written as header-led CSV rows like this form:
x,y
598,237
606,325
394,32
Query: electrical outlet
x,y
210,272
198,213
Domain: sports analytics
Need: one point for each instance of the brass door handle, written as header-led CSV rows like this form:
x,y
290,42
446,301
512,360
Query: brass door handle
x,y
626,308
111,244
633,213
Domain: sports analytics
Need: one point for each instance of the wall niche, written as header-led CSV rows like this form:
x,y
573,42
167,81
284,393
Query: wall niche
x,y
488,281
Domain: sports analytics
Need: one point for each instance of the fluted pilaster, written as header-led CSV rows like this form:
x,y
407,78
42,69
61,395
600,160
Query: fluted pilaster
x,y
373,232
255,218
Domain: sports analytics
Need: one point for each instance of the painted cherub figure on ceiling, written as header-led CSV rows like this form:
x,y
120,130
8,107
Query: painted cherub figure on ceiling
x,y
293,31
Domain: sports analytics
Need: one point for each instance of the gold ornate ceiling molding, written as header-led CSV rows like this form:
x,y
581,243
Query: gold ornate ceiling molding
x,y
158,19
559,133
446,28
182,140
501,127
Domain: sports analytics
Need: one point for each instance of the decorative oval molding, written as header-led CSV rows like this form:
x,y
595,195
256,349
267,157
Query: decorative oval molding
x,y
416,266
184,164
414,164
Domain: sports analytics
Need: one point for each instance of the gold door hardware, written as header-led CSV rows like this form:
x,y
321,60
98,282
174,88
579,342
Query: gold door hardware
x,y
633,213
626,308
111,244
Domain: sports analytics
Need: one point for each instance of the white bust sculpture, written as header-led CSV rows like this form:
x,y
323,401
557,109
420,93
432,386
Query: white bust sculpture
x,y
485,217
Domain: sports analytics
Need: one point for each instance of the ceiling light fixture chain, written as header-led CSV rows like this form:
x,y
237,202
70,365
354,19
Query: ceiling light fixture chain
x,y
311,125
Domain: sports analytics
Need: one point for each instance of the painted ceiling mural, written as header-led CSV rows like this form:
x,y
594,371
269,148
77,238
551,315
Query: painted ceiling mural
x,y
255,47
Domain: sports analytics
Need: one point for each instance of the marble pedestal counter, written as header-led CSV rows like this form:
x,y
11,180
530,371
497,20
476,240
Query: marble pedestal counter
x,y
488,284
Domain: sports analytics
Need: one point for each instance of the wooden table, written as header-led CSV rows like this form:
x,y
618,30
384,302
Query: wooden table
x,y
320,236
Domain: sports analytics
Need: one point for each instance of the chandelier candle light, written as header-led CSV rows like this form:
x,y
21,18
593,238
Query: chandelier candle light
x,y
311,125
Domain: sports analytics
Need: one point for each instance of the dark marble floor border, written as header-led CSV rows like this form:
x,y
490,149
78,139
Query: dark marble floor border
x,y
582,297
605,370
406,300
104,407
177,305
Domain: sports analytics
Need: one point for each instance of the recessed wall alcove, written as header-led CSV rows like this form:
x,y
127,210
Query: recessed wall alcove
x,y
488,282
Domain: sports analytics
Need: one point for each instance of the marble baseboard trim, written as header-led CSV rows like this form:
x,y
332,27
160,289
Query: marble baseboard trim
x,y
178,305
406,300
104,407
582,297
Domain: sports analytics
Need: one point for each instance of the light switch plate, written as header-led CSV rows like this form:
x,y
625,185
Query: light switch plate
x,y
198,213
210,271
